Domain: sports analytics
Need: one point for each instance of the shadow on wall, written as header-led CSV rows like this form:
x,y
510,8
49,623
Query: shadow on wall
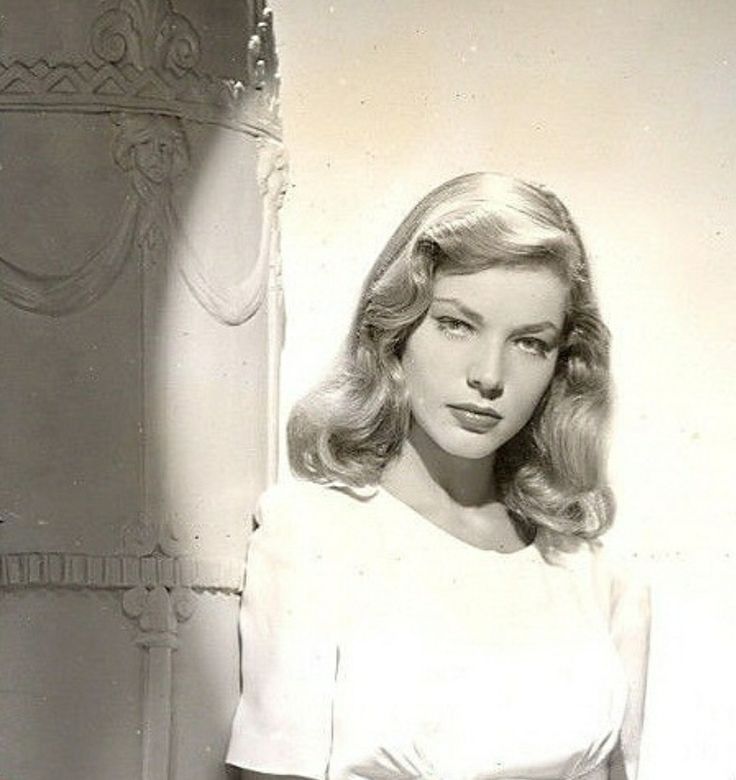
x,y
134,272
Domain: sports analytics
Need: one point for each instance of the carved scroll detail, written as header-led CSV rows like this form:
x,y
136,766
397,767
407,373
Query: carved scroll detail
x,y
145,60
147,34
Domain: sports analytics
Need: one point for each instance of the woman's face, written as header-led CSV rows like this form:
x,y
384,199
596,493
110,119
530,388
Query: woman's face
x,y
481,359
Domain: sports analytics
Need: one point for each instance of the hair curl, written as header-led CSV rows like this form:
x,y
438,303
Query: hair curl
x,y
553,472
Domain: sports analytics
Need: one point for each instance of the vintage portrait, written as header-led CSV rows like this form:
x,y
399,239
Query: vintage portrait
x,y
366,390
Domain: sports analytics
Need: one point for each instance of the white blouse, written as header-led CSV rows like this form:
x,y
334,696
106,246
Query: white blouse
x,y
377,645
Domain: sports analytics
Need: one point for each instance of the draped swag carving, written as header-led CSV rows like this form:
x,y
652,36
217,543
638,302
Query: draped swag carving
x,y
147,57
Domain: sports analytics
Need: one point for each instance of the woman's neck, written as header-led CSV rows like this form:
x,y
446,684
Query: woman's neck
x,y
426,472
456,494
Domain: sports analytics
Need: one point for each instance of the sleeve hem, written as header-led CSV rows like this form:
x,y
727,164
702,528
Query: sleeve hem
x,y
277,756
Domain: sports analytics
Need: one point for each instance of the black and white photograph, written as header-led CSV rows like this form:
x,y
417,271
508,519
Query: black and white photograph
x,y
366,390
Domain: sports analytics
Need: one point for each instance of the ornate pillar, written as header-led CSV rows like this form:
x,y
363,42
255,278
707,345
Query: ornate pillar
x,y
141,171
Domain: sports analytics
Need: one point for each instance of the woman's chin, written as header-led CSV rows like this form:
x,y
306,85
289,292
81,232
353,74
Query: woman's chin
x,y
470,446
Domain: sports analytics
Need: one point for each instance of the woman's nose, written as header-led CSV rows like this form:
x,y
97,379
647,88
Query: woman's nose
x,y
486,372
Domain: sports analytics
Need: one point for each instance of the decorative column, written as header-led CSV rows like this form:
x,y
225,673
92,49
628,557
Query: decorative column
x,y
141,171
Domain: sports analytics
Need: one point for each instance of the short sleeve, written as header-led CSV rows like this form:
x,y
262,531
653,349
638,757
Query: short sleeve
x,y
283,722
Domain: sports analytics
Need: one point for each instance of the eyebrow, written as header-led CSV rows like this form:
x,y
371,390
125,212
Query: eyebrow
x,y
471,314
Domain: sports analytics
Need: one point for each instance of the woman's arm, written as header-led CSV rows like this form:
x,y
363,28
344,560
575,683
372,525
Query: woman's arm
x,y
282,725
631,628
630,618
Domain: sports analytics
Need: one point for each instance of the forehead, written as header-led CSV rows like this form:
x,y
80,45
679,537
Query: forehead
x,y
520,294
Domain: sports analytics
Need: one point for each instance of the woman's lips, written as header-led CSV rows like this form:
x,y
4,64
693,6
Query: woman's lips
x,y
475,418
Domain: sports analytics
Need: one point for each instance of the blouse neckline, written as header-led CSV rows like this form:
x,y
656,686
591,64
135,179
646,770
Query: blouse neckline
x,y
439,534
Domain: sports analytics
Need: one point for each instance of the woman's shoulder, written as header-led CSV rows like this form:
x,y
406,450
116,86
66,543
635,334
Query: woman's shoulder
x,y
302,496
617,576
324,516
620,569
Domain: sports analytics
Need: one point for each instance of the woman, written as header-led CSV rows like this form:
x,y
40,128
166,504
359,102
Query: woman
x,y
430,600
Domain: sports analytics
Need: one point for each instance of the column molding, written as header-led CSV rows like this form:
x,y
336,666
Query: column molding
x,y
119,572
144,58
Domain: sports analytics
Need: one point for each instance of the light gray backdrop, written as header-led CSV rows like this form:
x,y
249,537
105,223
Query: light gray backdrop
x,y
628,111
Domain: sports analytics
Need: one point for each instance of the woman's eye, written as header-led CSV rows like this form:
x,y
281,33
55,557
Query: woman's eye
x,y
534,346
453,326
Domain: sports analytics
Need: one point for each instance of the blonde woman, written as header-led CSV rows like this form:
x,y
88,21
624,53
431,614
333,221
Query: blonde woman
x,y
430,598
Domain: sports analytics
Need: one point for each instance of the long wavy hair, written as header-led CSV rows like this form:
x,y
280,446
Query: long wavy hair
x,y
553,472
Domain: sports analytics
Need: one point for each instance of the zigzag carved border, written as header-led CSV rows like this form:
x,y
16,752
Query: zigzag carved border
x,y
108,88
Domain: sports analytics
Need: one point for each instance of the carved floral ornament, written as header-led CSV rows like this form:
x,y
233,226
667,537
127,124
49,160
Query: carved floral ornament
x,y
147,34
158,611
144,58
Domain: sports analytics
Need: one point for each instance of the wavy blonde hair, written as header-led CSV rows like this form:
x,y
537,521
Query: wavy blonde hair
x,y
553,472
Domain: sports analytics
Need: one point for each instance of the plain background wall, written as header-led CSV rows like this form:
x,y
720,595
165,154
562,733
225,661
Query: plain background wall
x,y
628,111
